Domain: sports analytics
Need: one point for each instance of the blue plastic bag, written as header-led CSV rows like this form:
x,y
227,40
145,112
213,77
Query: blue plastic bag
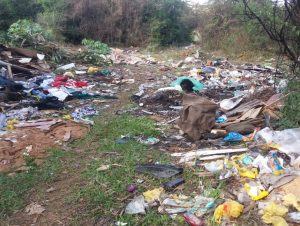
x,y
233,136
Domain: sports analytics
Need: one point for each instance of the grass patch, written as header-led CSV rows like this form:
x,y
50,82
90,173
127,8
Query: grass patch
x,y
13,189
105,192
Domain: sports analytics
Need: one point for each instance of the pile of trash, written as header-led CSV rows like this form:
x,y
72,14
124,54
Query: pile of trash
x,y
232,108
42,108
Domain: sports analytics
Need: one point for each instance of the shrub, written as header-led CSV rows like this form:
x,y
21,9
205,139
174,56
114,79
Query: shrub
x,y
27,33
291,111
95,52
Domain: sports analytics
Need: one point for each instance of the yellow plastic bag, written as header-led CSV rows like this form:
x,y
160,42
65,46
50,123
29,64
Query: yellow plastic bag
x,y
151,196
243,172
228,209
93,69
11,124
255,192
273,214
291,200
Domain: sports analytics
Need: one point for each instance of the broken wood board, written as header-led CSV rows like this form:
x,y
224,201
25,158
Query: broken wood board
x,y
189,156
245,107
212,157
24,52
252,114
256,122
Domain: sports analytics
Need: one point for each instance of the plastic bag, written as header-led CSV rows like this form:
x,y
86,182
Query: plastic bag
x,y
244,172
231,103
291,200
152,195
197,86
214,166
273,214
288,140
136,206
228,209
233,136
255,192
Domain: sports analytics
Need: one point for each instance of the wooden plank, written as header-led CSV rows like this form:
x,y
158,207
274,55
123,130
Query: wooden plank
x,y
255,113
245,107
205,152
190,156
15,67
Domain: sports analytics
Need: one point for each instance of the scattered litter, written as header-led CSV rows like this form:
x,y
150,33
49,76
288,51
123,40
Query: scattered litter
x,y
228,209
192,220
197,117
274,214
119,223
153,195
136,206
150,141
233,136
256,192
173,184
158,170
131,188
214,166
103,168
34,208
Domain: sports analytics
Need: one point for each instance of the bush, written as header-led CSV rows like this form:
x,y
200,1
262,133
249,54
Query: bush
x,y
95,52
27,33
291,111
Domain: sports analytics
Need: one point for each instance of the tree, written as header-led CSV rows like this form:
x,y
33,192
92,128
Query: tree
x,y
168,26
13,10
281,24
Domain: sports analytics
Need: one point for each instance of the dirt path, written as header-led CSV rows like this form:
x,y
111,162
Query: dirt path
x,y
57,196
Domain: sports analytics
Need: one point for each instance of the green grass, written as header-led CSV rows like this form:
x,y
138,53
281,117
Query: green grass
x,y
13,189
105,192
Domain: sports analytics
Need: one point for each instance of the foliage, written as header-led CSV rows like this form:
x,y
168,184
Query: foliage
x,y
131,22
12,11
95,52
26,32
3,37
53,16
291,111
167,25
281,24
99,47
224,26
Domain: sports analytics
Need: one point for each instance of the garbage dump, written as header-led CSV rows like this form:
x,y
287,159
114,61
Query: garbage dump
x,y
222,116
44,106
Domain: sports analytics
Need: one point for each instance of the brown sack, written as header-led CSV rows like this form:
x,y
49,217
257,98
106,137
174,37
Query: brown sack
x,y
198,116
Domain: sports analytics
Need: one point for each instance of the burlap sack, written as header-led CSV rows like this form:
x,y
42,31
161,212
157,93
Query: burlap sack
x,y
198,116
